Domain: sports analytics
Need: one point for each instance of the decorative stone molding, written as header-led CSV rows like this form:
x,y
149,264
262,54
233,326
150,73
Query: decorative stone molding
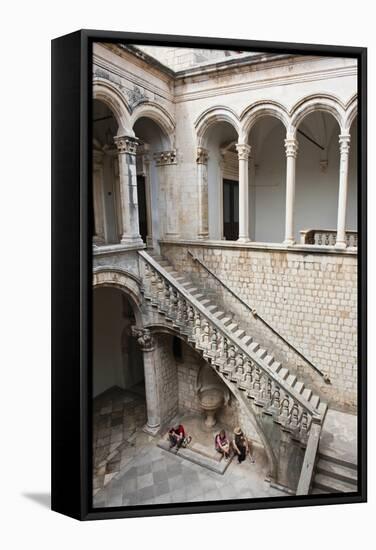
x,y
243,150
344,143
136,96
202,155
144,338
165,158
291,146
126,144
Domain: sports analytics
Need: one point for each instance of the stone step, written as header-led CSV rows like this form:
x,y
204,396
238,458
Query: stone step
x,y
262,353
299,387
232,327
269,359
239,333
338,471
315,401
291,379
226,321
219,314
332,485
307,393
204,301
322,408
212,308
329,455
283,373
247,340
254,347
276,366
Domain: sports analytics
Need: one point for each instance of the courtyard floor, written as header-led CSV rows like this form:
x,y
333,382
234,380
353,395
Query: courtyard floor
x,y
130,469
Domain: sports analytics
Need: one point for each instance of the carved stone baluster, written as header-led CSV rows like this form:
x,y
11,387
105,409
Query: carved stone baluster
x,y
238,373
231,361
197,328
160,292
276,399
285,408
213,347
304,426
223,353
294,416
205,335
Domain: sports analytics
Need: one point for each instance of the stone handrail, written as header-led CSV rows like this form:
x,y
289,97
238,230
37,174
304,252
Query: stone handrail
x,y
230,356
326,237
308,467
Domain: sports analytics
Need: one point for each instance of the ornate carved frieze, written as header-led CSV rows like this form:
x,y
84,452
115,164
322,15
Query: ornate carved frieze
x,y
165,158
136,96
243,150
144,338
126,144
202,155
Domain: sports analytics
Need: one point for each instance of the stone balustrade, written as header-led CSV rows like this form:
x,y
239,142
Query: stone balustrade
x,y
250,371
327,237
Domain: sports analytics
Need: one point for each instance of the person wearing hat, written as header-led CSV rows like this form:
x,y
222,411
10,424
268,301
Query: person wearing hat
x,y
241,446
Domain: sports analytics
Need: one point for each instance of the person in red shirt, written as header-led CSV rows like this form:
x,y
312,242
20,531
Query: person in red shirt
x,y
176,436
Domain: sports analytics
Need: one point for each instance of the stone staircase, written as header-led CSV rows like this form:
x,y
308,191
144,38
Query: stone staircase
x,y
334,475
276,397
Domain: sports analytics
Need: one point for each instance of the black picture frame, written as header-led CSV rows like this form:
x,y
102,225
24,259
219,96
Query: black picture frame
x,y
72,274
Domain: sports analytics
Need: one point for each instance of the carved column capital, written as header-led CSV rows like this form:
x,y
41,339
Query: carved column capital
x,y
126,144
243,150
291,146
144,338
344,143
202,155
164,158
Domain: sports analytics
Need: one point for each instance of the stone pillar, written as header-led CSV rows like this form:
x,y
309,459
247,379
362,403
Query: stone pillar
x,y
202,178
127,147
99,233
344,147
166,161
291,146
243,155
148,348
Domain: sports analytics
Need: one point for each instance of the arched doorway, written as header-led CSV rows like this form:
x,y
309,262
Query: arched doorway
x,y
317,174
106,193
223,181
152,184
267,180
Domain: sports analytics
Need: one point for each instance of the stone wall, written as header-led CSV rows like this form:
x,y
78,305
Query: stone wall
x,y
167,380
309,298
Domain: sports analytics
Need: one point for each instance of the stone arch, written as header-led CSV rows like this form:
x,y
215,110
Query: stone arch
x,y
350,114
104,91
258,110
160,328
157,113
317,102
123,280
212,116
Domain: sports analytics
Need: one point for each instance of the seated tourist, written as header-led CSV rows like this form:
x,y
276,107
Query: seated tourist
x,y
242,446
222,444
178,437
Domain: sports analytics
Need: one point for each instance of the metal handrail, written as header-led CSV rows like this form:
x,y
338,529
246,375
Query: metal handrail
x,y
255,314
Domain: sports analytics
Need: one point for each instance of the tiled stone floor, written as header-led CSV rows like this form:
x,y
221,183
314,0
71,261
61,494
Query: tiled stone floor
x,y
142,473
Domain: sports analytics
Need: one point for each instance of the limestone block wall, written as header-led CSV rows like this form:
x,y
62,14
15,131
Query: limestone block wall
x,y
310,298
167,379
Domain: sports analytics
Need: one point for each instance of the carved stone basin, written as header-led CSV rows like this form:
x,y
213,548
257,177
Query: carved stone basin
x,y
211,400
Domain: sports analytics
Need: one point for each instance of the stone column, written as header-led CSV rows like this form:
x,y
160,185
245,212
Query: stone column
x,y
166,161
99,233
127,147
148,348
344,147
243,155
202,177
291,146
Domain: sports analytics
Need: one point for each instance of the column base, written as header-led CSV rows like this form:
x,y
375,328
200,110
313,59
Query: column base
x,y
203,236
289,242
172,235
126,239
244,240
151,430
341,245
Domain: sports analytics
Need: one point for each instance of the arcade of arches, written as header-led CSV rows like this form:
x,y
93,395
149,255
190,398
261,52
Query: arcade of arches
x,y
240,174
